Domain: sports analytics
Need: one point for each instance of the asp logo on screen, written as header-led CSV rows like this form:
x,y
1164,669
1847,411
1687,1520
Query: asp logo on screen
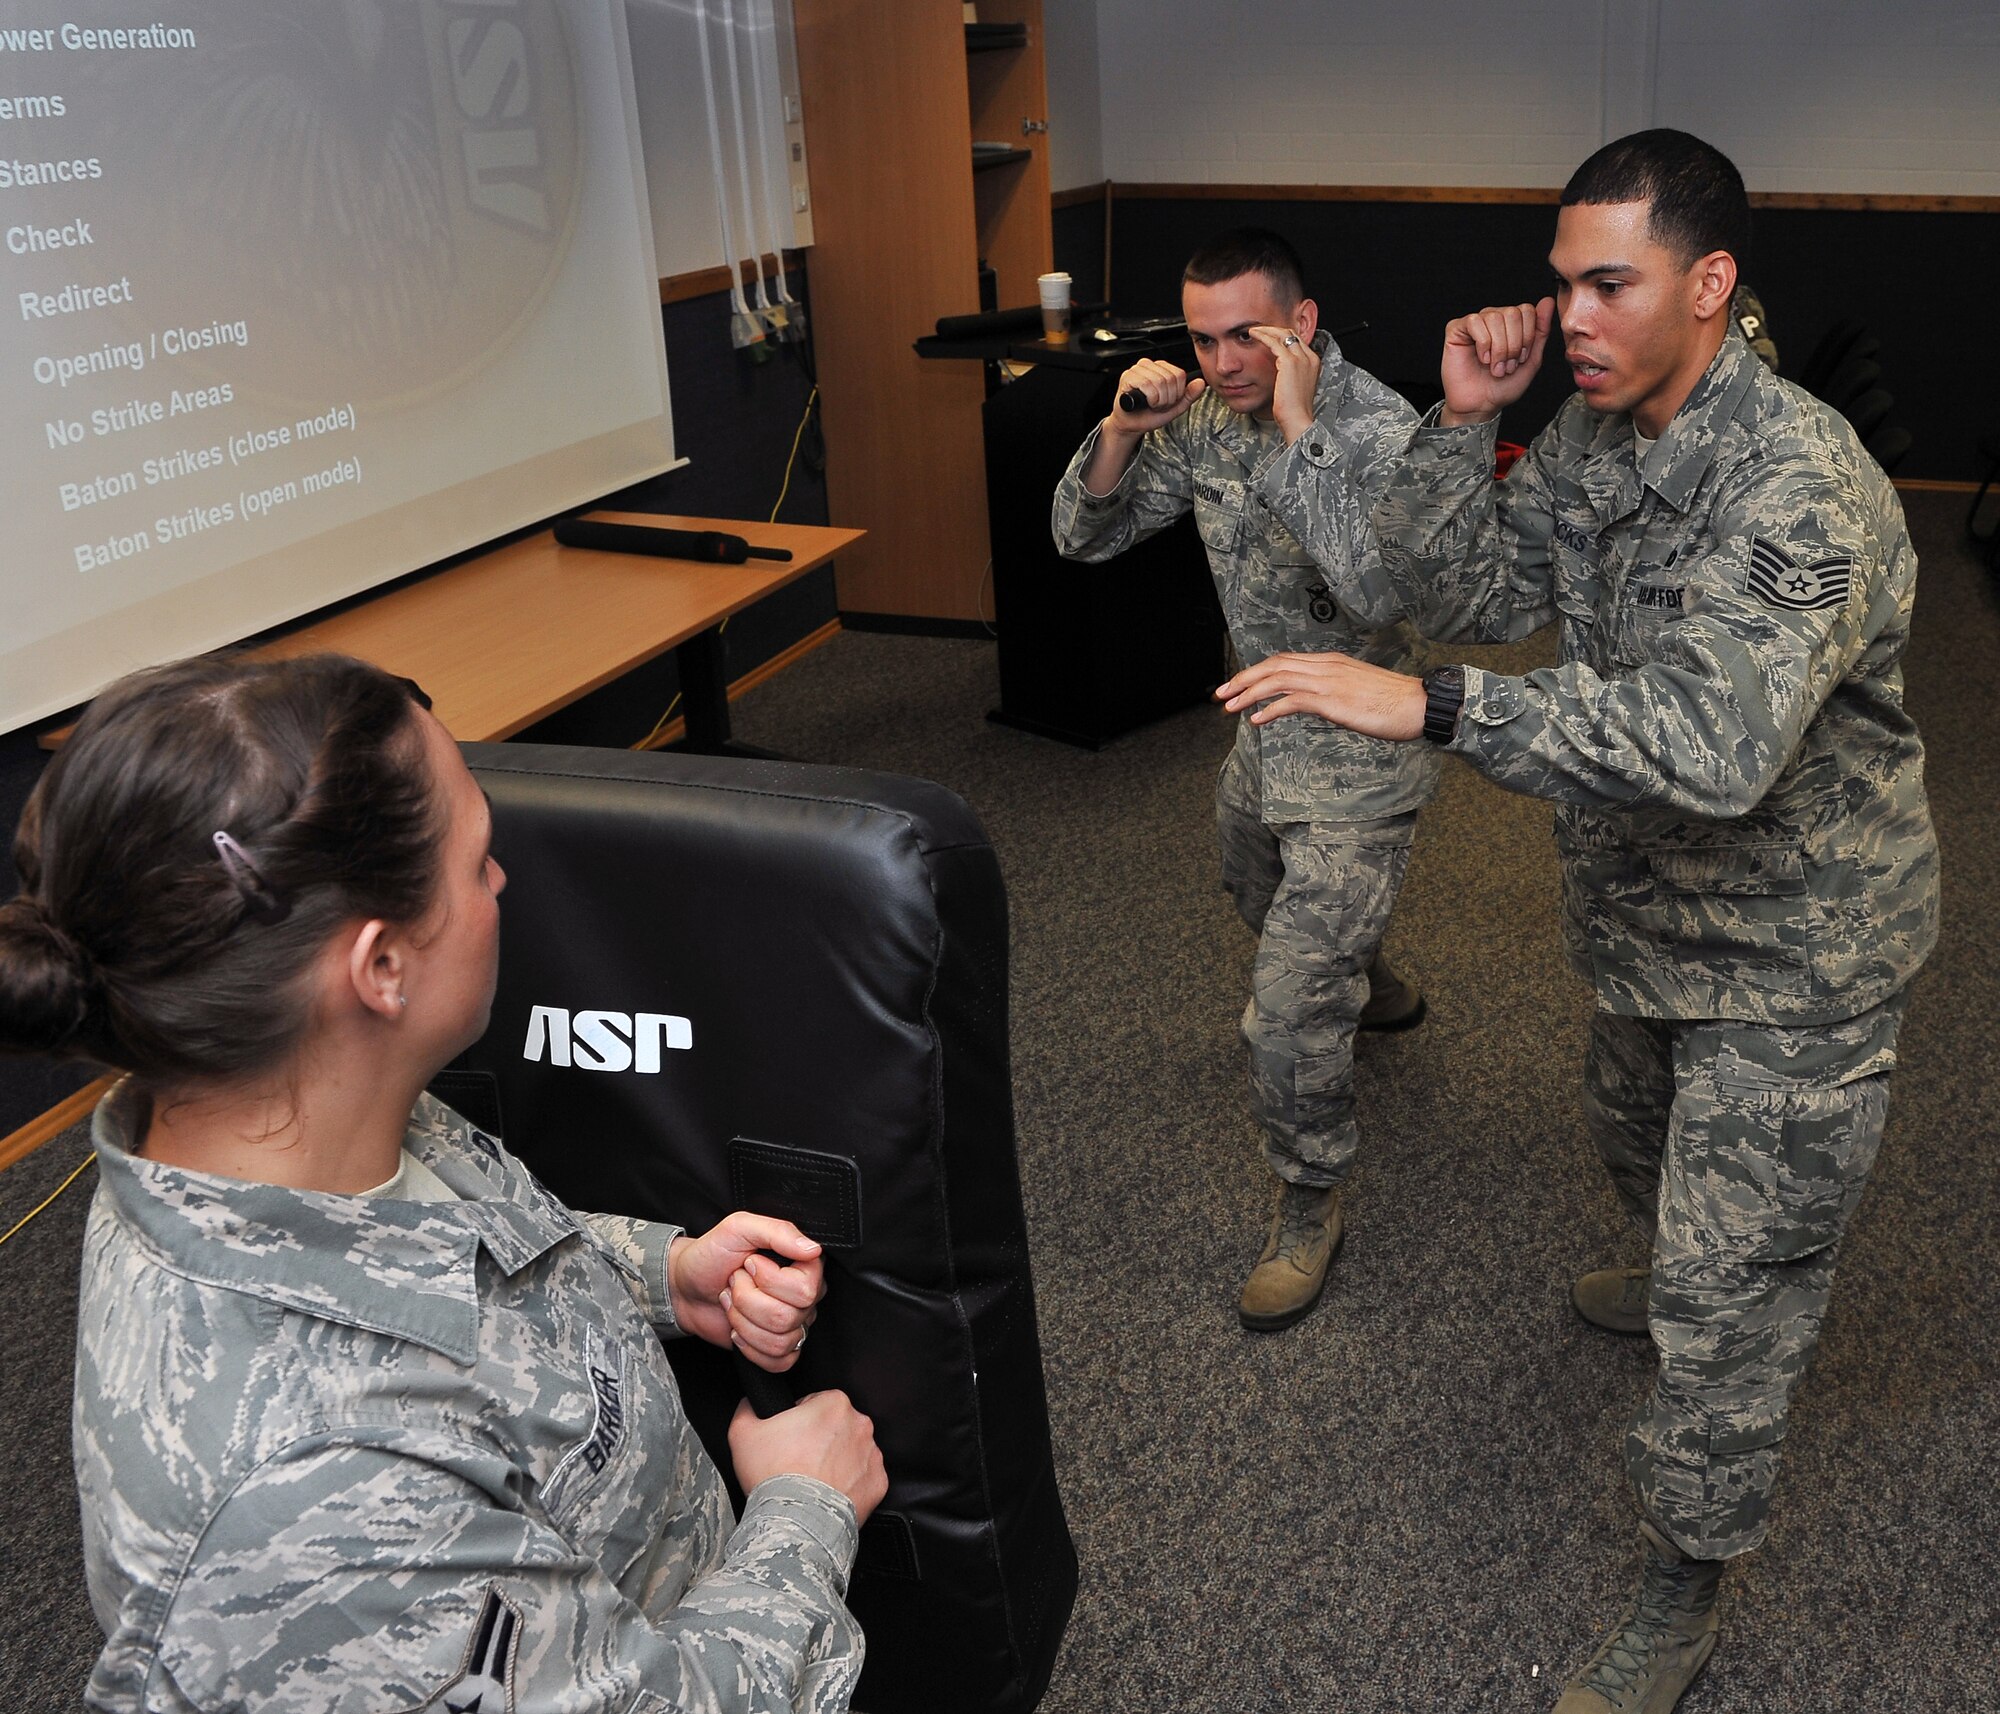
x,y
604,1041
384,190
503,99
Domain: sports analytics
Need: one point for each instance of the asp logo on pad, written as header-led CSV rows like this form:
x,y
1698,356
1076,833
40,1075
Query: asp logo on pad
x,y
604,1041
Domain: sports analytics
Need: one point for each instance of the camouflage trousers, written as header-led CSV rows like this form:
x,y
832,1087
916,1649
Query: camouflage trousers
x,y
1740,1150
1318,896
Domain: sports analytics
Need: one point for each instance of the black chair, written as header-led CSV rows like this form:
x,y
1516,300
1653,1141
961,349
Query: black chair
x,y
736,984
1887,446
1850,381
1869,412
1846,338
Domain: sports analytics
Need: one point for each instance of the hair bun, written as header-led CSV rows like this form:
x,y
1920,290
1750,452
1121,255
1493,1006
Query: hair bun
x,y
48,983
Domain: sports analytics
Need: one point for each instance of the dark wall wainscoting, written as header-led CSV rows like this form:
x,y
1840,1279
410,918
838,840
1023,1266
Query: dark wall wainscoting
x,y
1079,246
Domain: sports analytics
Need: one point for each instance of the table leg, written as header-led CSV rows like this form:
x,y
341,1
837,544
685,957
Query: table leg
x,y
705,700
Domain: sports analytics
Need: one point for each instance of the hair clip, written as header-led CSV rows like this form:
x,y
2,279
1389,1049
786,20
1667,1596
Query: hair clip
x,y
264,901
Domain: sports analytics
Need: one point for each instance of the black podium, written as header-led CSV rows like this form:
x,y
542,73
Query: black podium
x,y
1086,651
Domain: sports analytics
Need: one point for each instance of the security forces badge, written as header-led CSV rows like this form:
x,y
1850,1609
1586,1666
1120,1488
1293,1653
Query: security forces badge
x,y
1320,602
1778,580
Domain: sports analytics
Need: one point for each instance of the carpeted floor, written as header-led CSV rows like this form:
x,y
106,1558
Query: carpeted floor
x,y
1414,1499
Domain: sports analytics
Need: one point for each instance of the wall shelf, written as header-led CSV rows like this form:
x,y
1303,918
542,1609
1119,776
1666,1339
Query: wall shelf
x,y
984,38
1012,158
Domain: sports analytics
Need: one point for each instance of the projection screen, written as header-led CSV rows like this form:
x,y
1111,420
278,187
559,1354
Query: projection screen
x,y
303,295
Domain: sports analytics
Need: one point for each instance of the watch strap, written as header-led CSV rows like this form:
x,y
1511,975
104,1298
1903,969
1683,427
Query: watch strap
x,y
1444,697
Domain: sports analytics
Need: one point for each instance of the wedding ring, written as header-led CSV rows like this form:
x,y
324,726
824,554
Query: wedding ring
x,y
1291,339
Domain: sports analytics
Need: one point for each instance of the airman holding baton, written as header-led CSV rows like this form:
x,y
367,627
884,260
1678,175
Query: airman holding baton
x,y
1279,447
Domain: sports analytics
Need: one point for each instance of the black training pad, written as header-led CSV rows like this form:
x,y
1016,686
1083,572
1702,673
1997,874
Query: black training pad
x,y
837,941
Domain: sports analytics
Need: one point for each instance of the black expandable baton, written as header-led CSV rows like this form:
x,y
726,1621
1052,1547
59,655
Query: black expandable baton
x,y
768,1393
712,545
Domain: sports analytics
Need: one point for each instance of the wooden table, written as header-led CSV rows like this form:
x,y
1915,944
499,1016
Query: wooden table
x,y
505,639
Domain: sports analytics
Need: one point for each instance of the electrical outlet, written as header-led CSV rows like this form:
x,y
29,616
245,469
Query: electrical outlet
x,y
798,199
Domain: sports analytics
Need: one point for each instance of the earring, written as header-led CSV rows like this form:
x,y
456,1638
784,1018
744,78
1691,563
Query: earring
x,y
403,1001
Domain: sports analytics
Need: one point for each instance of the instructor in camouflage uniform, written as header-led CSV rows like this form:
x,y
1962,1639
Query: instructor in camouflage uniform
x,y
1279,448
1750,877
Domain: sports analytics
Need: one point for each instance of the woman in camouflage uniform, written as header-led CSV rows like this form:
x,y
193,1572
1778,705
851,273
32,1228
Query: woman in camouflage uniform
x,y
365,1419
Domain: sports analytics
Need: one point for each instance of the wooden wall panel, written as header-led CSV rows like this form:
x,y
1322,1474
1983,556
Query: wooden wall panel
x,y
886,107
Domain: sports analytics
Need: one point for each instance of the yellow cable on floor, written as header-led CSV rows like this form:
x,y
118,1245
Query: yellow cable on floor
x,y
52,1195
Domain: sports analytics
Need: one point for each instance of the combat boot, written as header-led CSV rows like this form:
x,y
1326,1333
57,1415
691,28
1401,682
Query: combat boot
x,y
1658,1648
1613,1298
1291,1273
1393,1004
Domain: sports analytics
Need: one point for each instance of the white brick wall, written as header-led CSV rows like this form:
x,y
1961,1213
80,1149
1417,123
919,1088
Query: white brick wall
x,y
1335,92
1839,95
1069,52
1805,95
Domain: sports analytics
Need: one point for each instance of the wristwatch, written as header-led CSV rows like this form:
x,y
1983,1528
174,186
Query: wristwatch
x,y
1444,696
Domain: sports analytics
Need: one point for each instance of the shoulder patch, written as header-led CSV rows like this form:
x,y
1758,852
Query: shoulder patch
x,y
485,1682
1778,580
